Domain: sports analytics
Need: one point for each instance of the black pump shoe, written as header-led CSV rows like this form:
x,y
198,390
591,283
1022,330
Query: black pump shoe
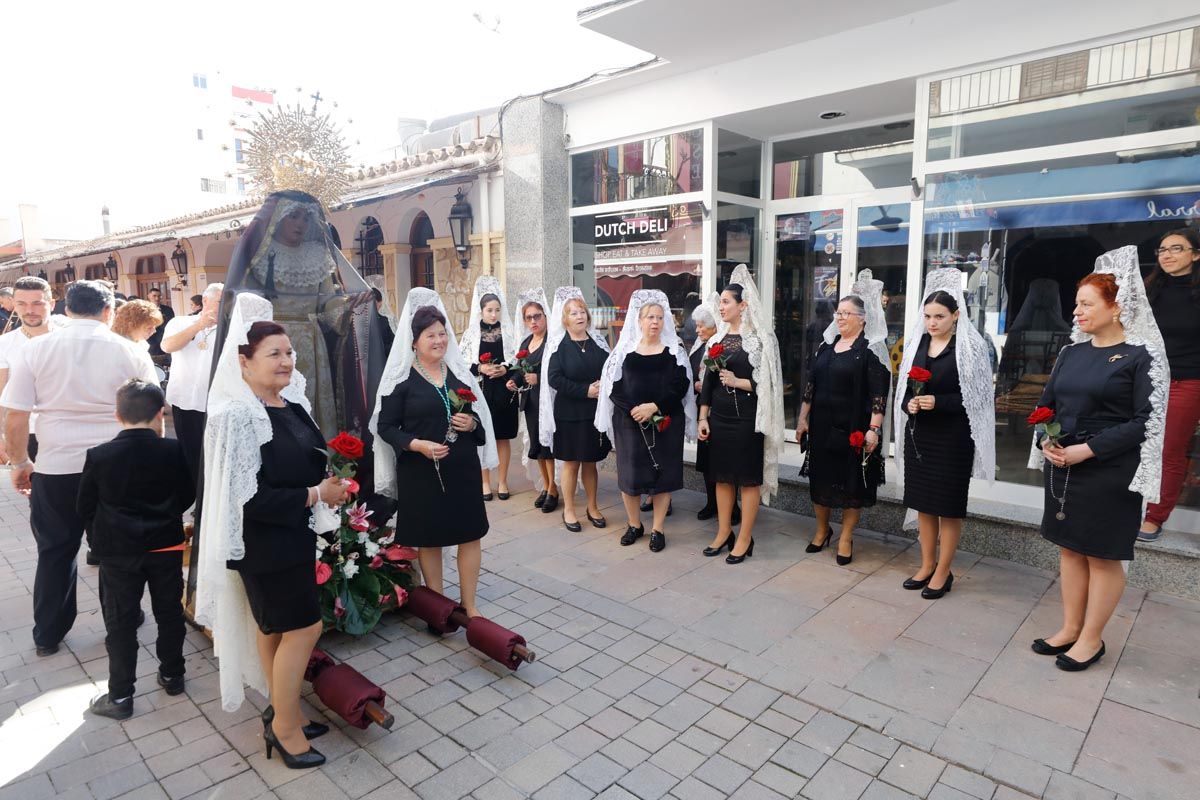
x,y
813,547
550,504
930,593
632,534
502,495
1068,664
540,500
487,499
732,559
912,584
309,758
708,512
1044,648
716,551
844,560
658,541
311,731
573,527
597,522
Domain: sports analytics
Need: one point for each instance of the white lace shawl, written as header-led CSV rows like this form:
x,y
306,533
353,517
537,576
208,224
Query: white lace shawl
x,y
237,428
974,363
399,365
535,295
554,336
469,344
762,348
386,311
710,304
1137,319
631,337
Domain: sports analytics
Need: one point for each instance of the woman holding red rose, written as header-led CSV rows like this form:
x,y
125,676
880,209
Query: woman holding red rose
x,y
645,405
945,422
489,347
433,446
846,394
532,308
1108,392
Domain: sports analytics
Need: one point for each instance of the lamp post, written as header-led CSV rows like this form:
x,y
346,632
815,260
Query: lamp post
x,y
461,219
110,269
179,261
69,273
42,274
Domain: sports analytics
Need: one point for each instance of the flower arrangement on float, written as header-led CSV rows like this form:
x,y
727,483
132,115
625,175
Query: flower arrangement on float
x,y
361,571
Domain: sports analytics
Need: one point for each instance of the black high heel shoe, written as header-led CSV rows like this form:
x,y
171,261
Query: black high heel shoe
x,y
716,551
844,560
306,760
930,593
813,547
597,522
573,527
912,584
311,731
732,559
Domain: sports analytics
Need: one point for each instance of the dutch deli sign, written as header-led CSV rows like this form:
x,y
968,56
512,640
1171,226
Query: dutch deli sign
x,y
632,227
649,233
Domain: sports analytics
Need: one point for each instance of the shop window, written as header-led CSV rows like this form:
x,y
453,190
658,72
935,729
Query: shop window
x,y
739,164
655,167
846,162
1023,238
738,231
617,253
1139,86
94,272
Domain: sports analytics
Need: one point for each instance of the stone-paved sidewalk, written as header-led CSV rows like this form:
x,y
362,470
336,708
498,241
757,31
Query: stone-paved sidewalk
x,y
667,675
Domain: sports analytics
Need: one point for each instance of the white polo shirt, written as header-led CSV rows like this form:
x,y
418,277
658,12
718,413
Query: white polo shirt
x,y
71,378
11,344
187,386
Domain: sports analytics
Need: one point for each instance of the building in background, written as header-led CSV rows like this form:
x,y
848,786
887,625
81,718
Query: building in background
x,y
221,112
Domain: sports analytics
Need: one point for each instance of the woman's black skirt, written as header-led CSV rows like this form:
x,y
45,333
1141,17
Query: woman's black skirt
x,y
503,407
579,441
637,473
285,600
537,450
939,455
1102,515
735,451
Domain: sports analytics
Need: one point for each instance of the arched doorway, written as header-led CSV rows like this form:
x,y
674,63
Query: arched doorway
x,y
151,272
421,258
367,242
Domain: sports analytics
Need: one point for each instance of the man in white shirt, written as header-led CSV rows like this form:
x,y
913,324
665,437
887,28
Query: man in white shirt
x,y
32,302
71,378
191,340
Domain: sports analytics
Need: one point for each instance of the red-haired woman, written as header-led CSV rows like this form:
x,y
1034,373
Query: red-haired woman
x,y
1100,393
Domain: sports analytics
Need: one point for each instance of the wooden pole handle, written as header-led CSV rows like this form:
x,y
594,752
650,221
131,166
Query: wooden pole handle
x,y
524,653
459,617
377,714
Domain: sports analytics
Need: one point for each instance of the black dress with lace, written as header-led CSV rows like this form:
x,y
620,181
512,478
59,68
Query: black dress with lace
x,y
530,401
649,461
735,451
845,389
500,401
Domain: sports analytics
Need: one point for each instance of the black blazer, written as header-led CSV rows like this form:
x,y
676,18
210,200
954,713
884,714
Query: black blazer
x,y
275,521
133,493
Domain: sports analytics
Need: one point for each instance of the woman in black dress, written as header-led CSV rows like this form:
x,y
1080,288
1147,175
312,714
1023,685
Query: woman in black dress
x,y
489,345
436,449
570,385
1174,292
277,566
741,414
533,315
844,403
642,392
1108,393
936,420
704,319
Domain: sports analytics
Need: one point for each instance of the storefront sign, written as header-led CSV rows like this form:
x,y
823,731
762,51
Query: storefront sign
x,y
648,234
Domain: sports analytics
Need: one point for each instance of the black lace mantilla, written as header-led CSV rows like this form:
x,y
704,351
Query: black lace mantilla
x,y
490,333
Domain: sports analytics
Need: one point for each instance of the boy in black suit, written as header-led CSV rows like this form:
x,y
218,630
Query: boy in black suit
x,y
132,496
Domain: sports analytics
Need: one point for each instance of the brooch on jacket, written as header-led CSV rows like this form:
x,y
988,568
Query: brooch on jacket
x,y
1111,359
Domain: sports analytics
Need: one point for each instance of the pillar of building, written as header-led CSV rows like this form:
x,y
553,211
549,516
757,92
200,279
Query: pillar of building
x,y
537,243
396,272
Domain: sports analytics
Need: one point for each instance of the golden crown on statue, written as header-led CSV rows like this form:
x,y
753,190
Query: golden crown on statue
x,y
291,148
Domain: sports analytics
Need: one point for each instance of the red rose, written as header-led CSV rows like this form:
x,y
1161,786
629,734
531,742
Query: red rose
x,y
664,423
920,375
324,572
485,358
716,350
347,446
1040,415
351,485
856,439
376,562
466,395
522,354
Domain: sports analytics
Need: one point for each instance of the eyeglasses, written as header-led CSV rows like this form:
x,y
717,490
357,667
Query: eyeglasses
x,y
1174,249
845,314
534,317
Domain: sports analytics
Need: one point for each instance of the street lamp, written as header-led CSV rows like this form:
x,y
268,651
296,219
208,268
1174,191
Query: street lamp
x,y
69,273
110,268
180,262
42,274
460,227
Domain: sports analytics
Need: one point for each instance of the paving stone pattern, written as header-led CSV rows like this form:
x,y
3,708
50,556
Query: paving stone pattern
x,y
659,676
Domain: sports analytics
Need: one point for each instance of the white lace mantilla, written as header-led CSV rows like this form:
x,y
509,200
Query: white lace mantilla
x,y
535,295
1137,319
469,345
762,349
554,337
631,337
